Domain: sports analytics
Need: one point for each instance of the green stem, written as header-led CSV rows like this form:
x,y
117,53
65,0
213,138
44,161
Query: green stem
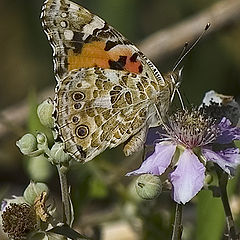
x,y
223,180
177,227
62,171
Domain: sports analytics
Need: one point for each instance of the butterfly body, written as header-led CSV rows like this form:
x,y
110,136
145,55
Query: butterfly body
x,y
107,91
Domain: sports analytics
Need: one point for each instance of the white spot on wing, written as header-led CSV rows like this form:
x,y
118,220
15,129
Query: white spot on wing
x,y
74,6
103,102
112,76
96,23
64,15
68,34
63,24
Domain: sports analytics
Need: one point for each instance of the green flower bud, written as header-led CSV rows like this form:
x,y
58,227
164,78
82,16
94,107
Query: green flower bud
x,y
34,190
58,155
42,142
27,144
44,111
208,179
148,186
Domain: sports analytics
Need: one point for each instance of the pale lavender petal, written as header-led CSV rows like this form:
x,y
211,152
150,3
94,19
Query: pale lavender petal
x,y
227,159
3,205
158,162
188,177
228,133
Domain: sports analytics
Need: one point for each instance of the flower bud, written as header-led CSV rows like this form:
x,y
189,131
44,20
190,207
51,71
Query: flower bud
x,y
42,142
34,190
44,111
27,144
148,186
58,155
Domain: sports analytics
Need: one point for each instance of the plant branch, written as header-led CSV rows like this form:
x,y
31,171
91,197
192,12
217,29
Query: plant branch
x,y
167,41
177,227
62,171
223,180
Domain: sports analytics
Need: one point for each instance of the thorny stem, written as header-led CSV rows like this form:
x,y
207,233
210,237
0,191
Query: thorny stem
x,y
177,227
223,180
62,172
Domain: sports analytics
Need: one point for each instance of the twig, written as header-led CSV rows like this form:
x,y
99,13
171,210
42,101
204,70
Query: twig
x,y
177,227
223,180
62,171
167,41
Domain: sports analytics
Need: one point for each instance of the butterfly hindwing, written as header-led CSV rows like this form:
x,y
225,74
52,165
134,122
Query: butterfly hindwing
x,y
100,108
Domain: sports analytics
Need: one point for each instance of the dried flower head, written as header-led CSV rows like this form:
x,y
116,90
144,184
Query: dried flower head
x,y
18,220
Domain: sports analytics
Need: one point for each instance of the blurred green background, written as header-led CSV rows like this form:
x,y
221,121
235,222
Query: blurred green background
x,y
26,69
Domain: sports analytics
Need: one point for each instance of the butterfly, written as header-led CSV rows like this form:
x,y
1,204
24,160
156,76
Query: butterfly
x,y
108,92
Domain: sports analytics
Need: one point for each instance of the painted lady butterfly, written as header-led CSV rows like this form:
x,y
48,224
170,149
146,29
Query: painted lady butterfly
x,y
107,91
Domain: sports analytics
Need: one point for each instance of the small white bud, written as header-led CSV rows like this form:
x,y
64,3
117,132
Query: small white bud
x,y
148,186
44,111
42,142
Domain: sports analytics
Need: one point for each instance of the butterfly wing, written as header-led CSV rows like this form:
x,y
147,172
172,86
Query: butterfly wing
x,y
99,108
81,39
107,89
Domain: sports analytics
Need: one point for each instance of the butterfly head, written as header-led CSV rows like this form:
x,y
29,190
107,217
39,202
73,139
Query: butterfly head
x,y
173,80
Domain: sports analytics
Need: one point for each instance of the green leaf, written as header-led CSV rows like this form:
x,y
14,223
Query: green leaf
x,y
210,214
68,232
210,217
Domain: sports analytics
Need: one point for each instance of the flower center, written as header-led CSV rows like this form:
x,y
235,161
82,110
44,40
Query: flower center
x,y
192,128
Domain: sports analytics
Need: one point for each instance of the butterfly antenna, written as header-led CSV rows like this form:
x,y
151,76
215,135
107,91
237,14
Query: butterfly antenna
x,y
179,59
185,53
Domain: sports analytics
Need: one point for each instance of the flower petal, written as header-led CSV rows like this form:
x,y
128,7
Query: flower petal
x,y
227,159
228,132
188,177
158,162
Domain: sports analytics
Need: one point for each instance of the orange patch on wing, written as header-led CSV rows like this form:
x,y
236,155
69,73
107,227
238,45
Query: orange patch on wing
x,y
94,55
122,50
134,67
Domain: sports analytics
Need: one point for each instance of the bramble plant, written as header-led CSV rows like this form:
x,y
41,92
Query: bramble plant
x,y
190,145
109,93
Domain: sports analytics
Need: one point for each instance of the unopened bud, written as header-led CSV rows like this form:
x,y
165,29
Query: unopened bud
x,y
148,186
27,144
58,155
44,111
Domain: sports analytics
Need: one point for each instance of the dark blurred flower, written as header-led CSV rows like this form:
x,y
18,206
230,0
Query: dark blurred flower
x,y
18,220
188,143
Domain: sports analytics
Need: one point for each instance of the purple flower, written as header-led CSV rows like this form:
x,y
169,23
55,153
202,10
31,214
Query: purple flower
x,y
184,149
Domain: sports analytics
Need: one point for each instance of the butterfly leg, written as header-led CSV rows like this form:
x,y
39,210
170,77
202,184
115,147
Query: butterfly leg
x,y
135,142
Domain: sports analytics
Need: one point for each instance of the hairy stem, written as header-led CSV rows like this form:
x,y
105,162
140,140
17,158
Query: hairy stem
x,y
223,180
62,171
177,227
